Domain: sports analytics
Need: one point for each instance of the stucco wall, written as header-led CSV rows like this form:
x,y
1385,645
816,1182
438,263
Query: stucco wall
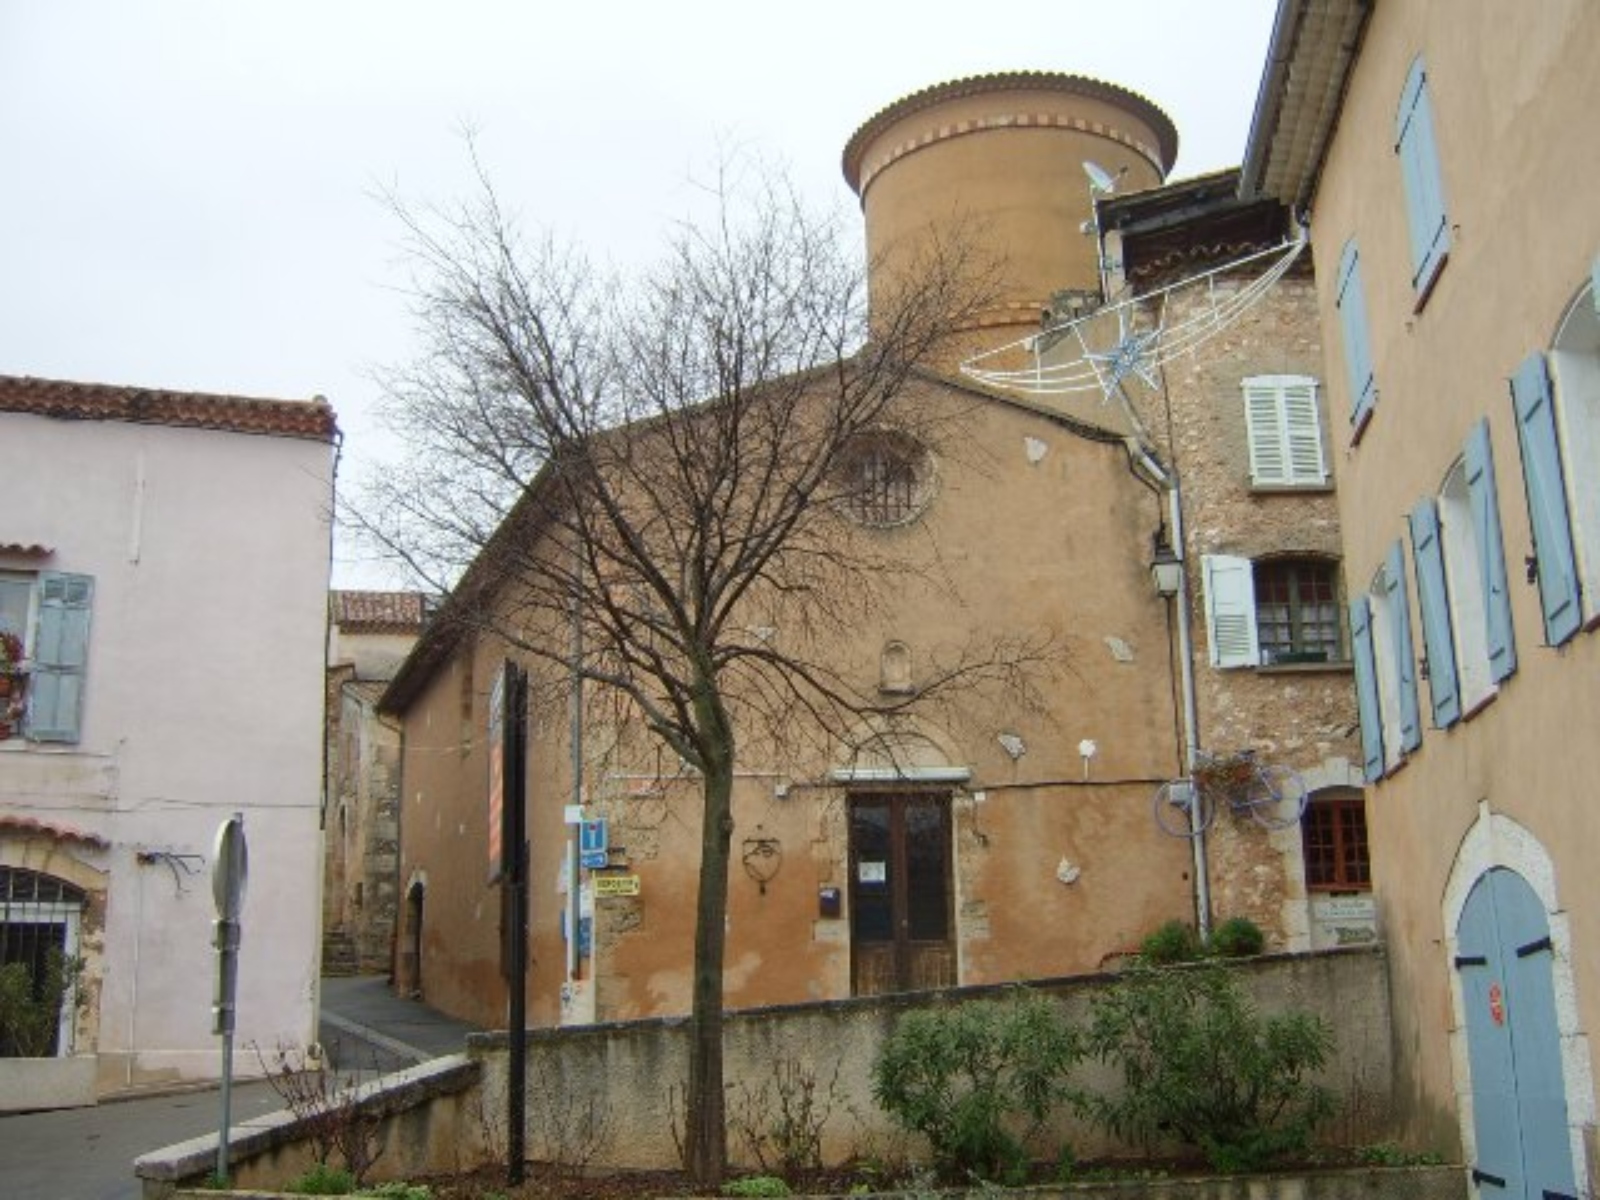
x,y
1513,105
634,1073
1032,528
203,697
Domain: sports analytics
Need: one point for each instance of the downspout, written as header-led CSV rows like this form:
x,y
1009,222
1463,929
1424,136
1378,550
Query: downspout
x,y
1168,483
575,739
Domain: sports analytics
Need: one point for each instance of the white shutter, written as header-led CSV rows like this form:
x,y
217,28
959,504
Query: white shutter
x,y
1269,456
1303,431
1230,597
1284,430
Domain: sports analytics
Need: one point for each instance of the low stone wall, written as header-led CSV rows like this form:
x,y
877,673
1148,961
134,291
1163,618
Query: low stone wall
x,y
428,1126
30,1084
441,1116
633,1073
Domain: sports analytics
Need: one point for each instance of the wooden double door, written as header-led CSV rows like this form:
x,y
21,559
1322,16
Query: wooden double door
x,y
901,923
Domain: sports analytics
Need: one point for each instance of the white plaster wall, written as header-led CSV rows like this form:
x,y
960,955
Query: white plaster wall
x,y
204,697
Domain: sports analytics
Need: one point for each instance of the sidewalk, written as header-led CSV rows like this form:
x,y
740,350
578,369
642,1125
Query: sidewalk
x,y
365,1023
88,1153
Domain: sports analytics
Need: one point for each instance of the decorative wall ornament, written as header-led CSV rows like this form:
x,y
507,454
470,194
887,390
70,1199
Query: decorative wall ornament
x,y
762,858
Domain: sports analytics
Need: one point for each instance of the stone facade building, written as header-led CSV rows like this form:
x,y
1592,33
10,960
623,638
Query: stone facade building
x,y
981,843
369,635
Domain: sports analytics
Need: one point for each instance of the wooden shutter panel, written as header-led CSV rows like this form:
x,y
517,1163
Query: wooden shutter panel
x,y
1405,659
1230,598
1485,501
60,657
1367,689
1303,431
1269,453
1547,499
1419,168
1352,304
1434,600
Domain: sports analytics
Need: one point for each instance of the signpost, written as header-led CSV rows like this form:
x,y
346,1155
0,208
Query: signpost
x,y
508,784
230,872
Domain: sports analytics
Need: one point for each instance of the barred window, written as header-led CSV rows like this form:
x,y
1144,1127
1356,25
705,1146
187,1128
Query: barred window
x,y
886,479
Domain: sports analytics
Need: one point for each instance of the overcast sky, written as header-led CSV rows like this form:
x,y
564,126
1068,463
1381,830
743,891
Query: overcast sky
x,y
187,188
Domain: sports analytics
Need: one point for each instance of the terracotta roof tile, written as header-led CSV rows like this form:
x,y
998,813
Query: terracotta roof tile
x,y
26,549
309,419
378,612
29,826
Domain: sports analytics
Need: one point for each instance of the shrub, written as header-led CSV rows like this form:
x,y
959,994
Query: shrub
x,y
960,1075
1199,1063
756,1186
30,1007
322,1180
1237,937
1174,942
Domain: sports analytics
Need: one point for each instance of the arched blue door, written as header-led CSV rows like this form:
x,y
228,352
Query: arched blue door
x,y
1519,1099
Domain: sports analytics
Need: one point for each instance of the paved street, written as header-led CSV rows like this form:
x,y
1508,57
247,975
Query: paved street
x,y
88,1153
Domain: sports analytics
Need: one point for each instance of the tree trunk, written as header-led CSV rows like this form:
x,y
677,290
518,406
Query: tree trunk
x,y
705,1142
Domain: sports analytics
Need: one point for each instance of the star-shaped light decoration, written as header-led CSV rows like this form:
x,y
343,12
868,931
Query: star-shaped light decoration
x,y
1128,356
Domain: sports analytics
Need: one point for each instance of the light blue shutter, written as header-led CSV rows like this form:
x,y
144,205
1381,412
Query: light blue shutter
x,y
1434,600
1547,499
1405,658
1419,167
1485,501
1594,285
1230,599
60,655
1367,689
1352,303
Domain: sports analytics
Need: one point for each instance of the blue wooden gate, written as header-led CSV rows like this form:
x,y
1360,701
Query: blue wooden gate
x,y
1518,1088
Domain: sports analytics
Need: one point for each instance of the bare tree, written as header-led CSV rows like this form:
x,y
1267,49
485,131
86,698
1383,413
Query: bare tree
x,y
666,466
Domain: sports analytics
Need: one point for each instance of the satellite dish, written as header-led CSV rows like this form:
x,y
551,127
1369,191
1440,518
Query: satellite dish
x,y
1101,181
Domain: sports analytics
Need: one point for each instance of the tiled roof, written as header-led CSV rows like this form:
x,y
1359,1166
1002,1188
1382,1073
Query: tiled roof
x,y
30,826
309,419
26,549
378,612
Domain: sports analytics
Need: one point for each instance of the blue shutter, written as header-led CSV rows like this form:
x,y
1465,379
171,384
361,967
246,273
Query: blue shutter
x,y
1405,658
1419,167
1434,600
60,655
1547,499
1594,285
1485,501
1352,304
1367,689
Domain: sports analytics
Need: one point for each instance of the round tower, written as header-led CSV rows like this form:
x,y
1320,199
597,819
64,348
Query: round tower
x,y
998,160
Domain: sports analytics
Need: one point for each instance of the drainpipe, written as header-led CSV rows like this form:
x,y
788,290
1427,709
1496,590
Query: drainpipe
x,y
1191,717
575,738
1158,477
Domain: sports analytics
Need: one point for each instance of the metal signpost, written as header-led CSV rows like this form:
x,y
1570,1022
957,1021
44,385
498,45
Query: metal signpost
x,y
509,745
230,871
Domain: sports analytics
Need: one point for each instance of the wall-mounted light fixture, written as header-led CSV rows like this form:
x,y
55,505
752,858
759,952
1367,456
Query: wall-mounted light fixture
x,y
1166,568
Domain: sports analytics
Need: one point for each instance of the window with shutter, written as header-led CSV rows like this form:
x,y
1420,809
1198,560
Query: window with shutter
x,y
1424,187
1575,381
1393,657
1464,588
1297,611
1230,611
1500,644
1547,500
1284,430
1427,550
60,657
1368,699
1351,300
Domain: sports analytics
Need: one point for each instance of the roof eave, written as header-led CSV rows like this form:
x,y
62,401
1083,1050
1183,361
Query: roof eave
x,y
1313,49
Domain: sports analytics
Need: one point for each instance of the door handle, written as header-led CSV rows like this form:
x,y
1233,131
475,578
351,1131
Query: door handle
x,y
1484,1177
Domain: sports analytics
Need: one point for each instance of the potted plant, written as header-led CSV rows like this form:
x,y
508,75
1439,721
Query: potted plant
x,y
1227,776
12,680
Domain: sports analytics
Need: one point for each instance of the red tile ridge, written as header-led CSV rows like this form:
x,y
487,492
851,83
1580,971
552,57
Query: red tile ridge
x,y
65,400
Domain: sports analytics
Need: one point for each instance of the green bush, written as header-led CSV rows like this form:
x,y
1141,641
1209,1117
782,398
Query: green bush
x,y
397,1190
1174,942
756,1186
323,1180
1237,937
30,1008
960,1076
1198,1063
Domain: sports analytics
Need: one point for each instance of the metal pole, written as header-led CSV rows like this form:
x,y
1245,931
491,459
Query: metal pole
x,y
223,1154
516,798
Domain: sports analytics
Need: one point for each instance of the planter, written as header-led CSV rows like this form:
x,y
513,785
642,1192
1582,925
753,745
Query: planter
x,y
39,1083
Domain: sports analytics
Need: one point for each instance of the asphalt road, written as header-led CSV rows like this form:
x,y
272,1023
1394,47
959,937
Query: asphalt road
x,y
88,1153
